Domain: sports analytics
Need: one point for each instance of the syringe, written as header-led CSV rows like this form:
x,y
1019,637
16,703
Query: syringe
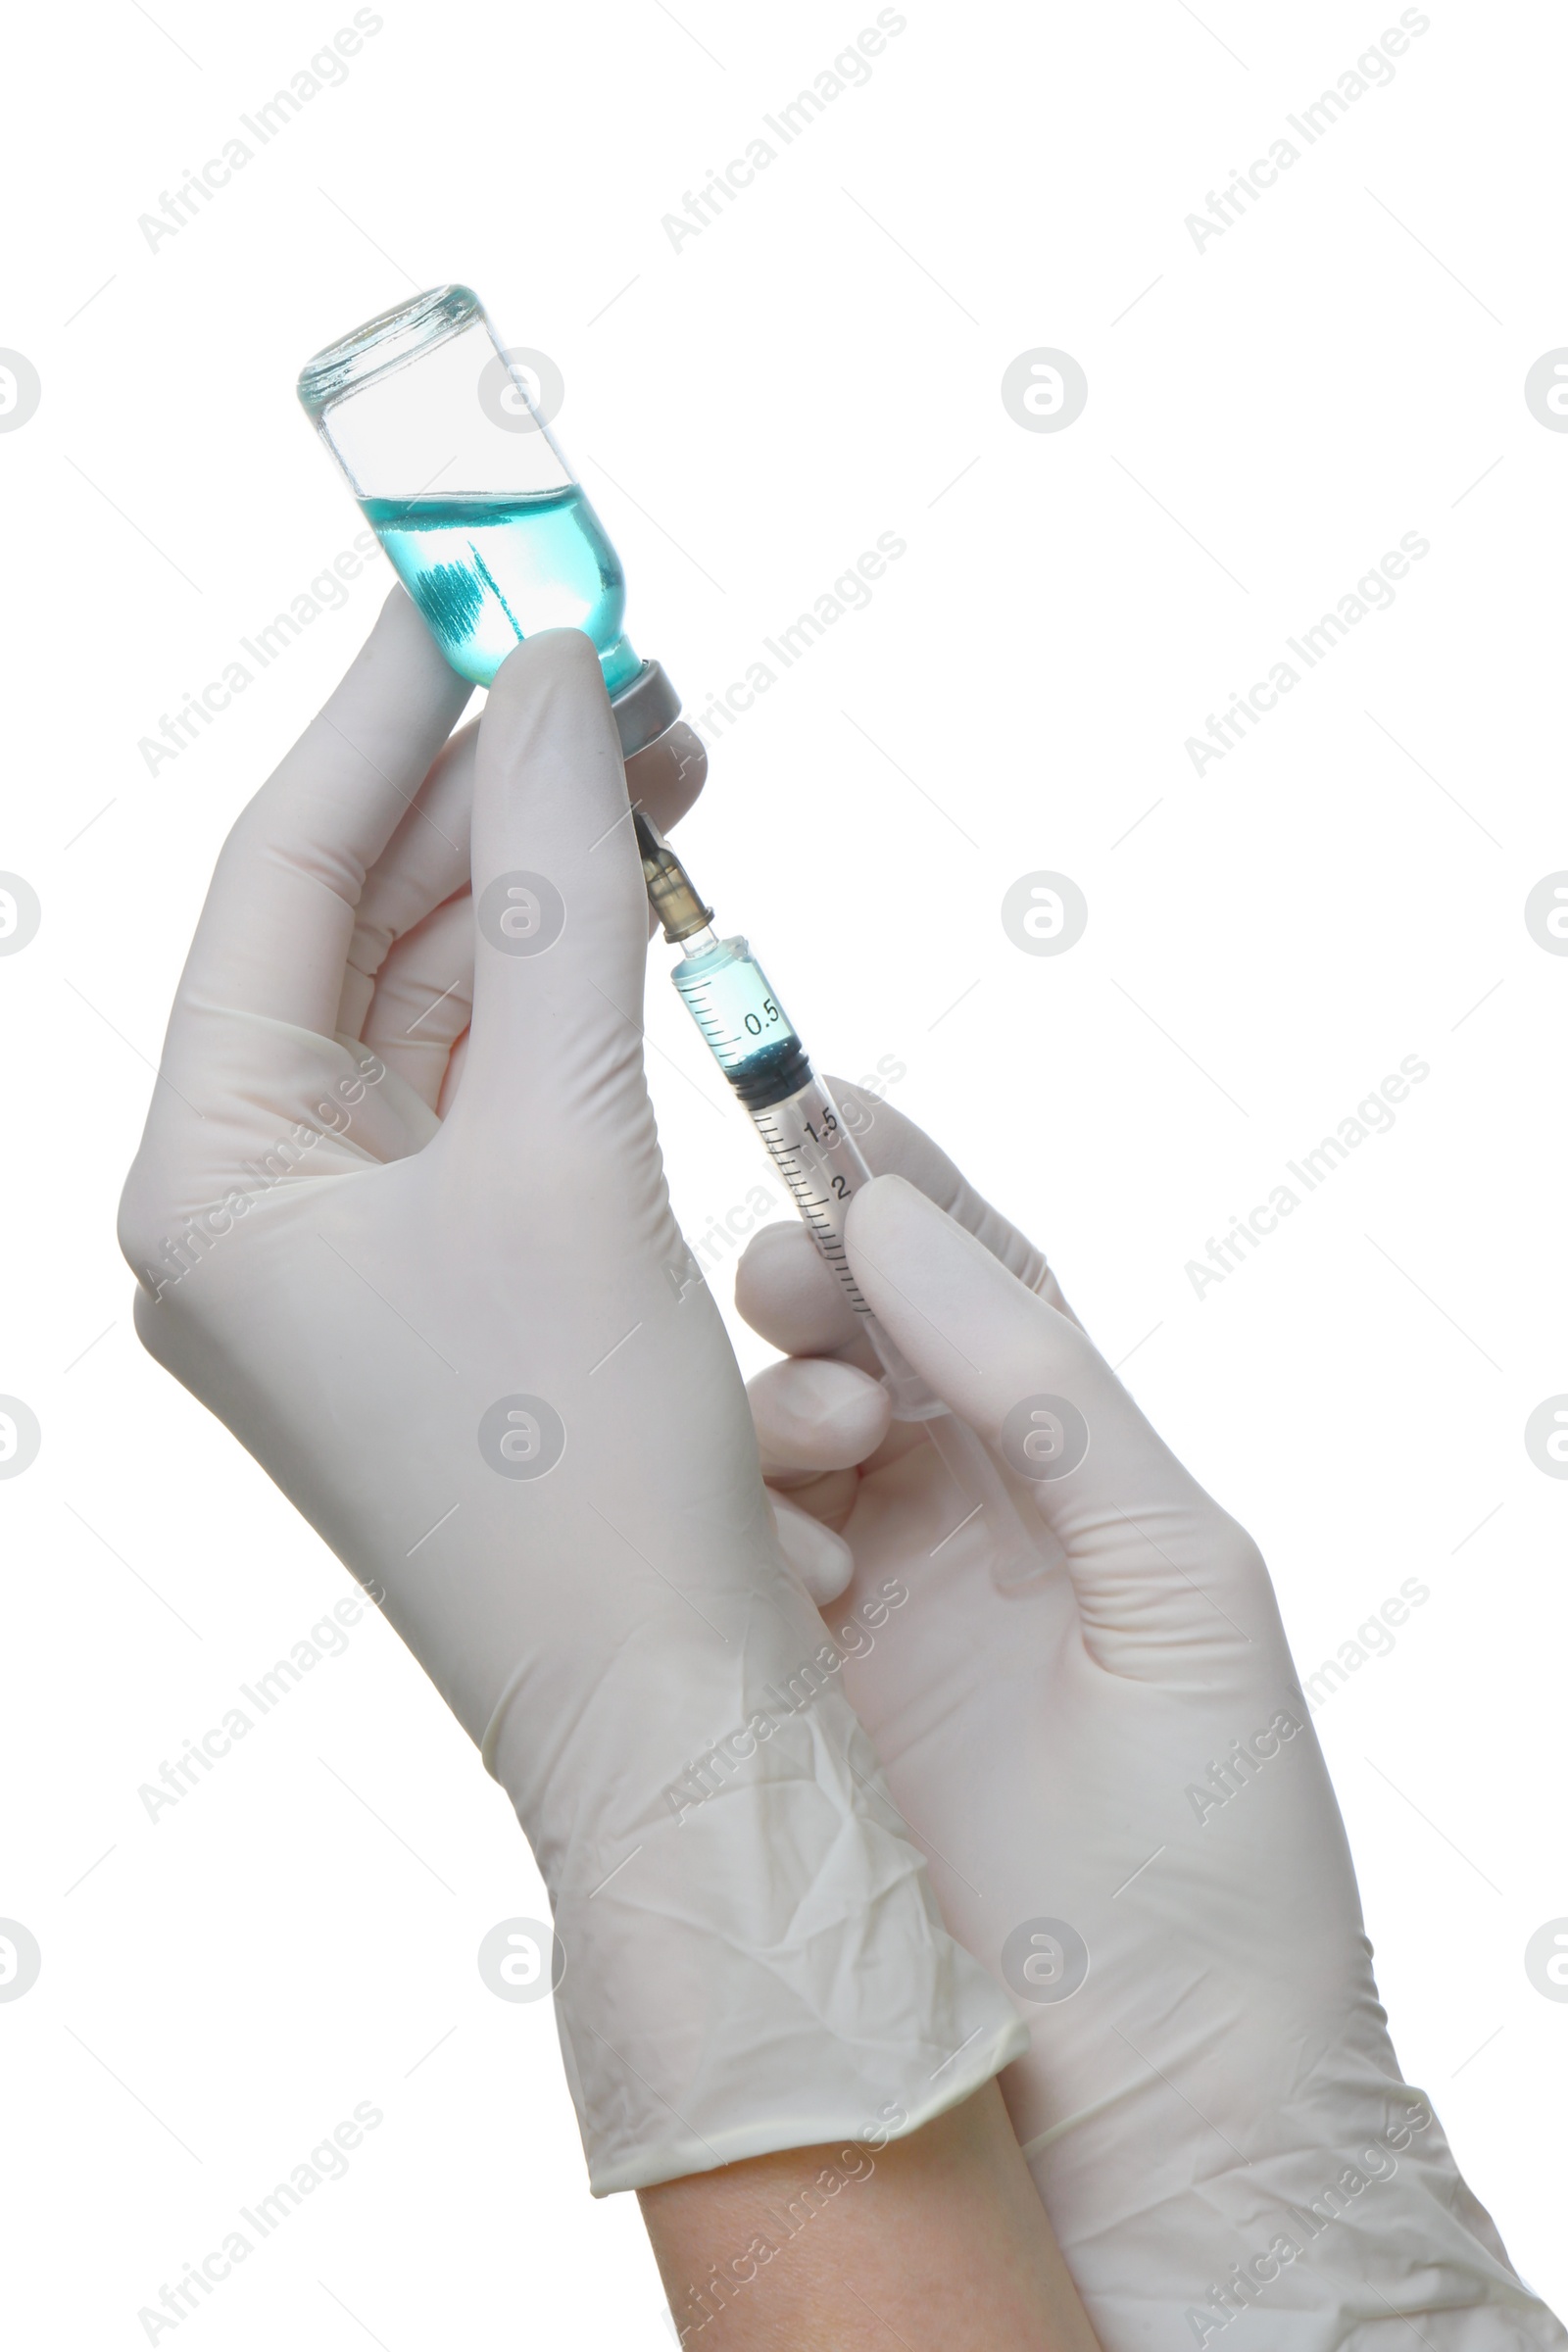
x,y
758,1049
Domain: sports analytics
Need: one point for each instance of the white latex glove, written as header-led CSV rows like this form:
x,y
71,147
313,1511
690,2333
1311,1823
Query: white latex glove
x,y
1224,2067
467,1350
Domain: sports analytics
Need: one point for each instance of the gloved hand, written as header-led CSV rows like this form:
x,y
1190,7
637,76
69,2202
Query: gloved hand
x,y
465,1347
1115,1773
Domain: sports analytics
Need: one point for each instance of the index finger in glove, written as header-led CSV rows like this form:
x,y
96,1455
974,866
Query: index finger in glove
x,y
786,1291
274,934
1155,1562
894,1146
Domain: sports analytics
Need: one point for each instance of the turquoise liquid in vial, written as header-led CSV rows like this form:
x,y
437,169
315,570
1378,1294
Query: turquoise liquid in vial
x,y
487,572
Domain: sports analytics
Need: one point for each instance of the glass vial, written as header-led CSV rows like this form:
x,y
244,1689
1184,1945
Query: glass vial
x,y
439,438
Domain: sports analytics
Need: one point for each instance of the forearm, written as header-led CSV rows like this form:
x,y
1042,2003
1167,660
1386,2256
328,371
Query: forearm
x,y
935,2240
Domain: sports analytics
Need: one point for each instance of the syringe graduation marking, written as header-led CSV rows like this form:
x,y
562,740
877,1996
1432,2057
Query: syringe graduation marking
x,y
814,1205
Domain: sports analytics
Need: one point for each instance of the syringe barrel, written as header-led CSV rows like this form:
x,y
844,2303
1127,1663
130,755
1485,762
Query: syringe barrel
x,y
811,1143
807,1137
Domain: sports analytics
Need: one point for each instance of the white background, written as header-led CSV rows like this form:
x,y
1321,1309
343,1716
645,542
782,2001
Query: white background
x,y
819,365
